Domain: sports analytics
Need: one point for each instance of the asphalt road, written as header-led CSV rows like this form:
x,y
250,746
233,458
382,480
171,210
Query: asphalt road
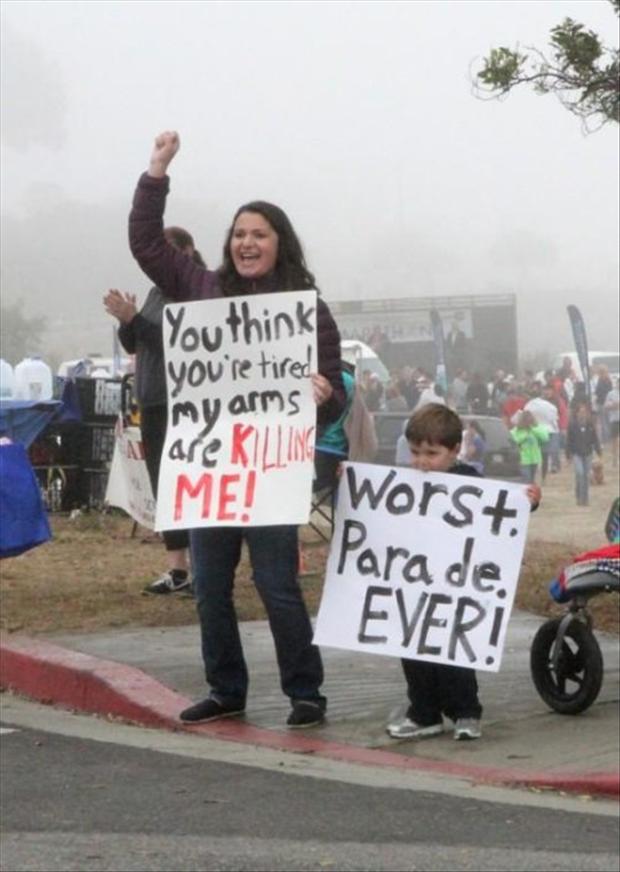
x,y
80,793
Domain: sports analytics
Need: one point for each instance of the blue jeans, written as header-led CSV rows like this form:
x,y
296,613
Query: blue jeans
x,y
582,465
528,472
554,451
274,556
603,425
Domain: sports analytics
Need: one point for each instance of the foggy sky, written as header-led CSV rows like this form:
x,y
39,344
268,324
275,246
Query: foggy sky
x,y
357,118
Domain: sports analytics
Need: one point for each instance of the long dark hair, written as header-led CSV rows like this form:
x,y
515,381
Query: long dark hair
x,y
290,272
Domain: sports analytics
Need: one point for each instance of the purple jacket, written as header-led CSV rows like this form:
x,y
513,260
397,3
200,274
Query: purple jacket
x,y
181,279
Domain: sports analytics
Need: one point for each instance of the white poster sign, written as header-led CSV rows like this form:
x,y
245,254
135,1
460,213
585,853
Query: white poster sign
x,y
241,426
423,565
129,486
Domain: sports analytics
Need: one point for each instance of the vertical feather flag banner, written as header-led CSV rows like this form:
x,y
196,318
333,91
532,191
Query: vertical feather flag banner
x,y
581,347
440,354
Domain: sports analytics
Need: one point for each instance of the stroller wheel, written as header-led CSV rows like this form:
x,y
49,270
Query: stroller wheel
x,y
570,679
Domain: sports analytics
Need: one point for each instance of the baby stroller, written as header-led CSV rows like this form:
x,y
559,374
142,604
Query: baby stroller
x,y
566,662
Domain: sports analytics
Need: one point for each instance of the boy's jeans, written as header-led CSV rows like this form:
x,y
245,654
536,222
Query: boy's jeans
x,y
582,465
436,689
274,556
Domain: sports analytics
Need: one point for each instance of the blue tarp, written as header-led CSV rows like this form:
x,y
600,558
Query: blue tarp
x,y
23,420
23,520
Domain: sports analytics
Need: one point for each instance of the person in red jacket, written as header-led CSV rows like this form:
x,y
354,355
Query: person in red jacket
x,y
514,402
262,254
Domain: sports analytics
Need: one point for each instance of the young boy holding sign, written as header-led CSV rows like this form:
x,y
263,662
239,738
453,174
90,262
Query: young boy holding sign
x,y
434,435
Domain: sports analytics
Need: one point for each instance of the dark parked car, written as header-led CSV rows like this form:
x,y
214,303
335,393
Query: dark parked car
x,y
501,457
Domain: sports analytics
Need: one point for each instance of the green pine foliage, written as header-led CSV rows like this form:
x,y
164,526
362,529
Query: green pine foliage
x,y
578,68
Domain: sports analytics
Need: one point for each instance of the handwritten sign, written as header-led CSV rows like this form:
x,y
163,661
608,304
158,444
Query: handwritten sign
x,y
423,565
241,425
129,486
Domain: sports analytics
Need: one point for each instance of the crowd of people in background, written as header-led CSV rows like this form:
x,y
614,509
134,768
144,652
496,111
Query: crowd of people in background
x,y
550,415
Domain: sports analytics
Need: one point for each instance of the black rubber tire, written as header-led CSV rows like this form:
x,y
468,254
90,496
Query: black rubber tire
x,y
576,683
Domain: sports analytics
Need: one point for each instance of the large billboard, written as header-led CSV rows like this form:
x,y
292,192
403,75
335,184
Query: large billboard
x,y
480,332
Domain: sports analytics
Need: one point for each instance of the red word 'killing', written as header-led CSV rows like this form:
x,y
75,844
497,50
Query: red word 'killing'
x,y
271,447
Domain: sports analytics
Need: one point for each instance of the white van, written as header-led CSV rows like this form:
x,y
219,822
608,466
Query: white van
x,y
362,357
610,359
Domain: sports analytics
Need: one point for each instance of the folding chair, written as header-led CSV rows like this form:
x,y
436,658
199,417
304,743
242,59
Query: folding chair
x,y
324,489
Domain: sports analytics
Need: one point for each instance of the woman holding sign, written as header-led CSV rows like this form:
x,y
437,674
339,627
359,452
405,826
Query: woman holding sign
x,y
262,254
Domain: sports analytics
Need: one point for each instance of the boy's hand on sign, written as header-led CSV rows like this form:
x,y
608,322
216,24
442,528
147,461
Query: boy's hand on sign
x,y
321,388
166,146
534,495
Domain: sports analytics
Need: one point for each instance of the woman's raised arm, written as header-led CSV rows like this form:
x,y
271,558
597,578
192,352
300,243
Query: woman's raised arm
x,y
164,149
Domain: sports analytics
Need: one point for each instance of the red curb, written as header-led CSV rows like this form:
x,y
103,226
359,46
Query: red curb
x,y
52,674
599,783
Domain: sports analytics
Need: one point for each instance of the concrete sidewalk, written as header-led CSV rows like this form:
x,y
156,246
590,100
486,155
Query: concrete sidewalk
x,y
148,675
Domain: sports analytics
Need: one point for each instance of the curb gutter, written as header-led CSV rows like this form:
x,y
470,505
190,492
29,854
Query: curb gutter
x,y
55,675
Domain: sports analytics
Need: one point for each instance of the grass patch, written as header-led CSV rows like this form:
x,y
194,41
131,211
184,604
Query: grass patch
x,y
90,578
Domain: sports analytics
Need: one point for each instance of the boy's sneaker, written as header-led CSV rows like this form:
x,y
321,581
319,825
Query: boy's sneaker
x,y
467,728
405,728
305,713
169,582
209,710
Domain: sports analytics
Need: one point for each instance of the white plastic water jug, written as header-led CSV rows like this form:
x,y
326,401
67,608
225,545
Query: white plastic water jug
x,y
7,380
33,380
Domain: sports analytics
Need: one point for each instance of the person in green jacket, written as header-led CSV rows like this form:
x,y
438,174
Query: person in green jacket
x,y
529,436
